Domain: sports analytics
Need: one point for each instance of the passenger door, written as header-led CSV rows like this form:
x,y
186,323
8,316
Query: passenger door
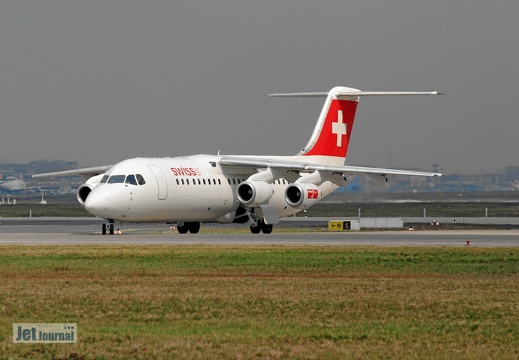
x,y
162,184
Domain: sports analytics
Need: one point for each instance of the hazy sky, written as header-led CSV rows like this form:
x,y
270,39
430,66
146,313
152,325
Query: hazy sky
x,y
101,81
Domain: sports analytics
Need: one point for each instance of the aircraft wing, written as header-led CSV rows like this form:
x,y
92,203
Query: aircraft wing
x,y
302,166
87,173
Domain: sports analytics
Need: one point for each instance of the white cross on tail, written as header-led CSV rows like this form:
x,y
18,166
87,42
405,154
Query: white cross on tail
x,y
339,128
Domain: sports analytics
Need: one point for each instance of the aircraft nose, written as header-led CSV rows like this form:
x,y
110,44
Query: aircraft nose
x,y
97,203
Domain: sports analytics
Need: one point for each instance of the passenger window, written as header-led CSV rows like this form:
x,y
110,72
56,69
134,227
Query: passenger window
x,y
140,179
103,179
130,179
116,179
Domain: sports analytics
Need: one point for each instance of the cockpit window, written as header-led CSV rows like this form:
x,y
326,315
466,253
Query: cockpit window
x,y
140,179
121,179
116,179
130,179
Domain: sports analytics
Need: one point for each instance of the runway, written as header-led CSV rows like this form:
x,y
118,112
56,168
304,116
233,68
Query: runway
x,y
62,231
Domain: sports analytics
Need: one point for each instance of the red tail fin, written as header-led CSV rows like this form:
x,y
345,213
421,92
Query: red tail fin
x,y
334,132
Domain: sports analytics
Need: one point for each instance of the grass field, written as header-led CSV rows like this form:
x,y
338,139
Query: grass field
x,y
264,302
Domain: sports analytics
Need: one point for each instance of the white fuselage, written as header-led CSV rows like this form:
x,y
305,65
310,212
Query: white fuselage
x,y
181,189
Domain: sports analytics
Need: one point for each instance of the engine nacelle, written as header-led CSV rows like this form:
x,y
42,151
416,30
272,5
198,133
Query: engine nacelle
x,y
301,196
253,193
84,190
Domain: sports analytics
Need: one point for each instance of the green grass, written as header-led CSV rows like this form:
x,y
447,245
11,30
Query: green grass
x,y
269,302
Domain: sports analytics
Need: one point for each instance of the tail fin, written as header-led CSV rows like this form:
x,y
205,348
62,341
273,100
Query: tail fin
x,y
331,137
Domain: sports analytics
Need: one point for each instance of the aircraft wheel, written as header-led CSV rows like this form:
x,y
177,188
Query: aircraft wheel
x,y
194,227
103,229
255,229
182,229
266,228
111,229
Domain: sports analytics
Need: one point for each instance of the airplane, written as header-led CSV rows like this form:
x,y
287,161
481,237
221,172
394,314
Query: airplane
x,y
12,184
258,190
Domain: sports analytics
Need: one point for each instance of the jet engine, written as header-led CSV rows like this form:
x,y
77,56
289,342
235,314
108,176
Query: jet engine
x,y
253,193
84,190
301,196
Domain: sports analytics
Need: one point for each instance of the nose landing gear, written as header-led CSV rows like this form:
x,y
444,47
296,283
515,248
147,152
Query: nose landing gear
x,y
108,228
192,227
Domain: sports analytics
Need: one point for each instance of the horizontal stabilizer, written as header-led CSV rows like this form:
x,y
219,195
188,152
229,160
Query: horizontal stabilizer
x,y
341,94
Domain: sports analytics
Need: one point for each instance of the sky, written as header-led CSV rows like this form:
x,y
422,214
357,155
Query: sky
x,y
101,81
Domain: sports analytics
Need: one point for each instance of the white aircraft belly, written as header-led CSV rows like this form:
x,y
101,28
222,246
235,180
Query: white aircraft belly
x,y
192,202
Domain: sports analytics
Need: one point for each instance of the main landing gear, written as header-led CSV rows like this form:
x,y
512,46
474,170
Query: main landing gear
x,y
260,226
